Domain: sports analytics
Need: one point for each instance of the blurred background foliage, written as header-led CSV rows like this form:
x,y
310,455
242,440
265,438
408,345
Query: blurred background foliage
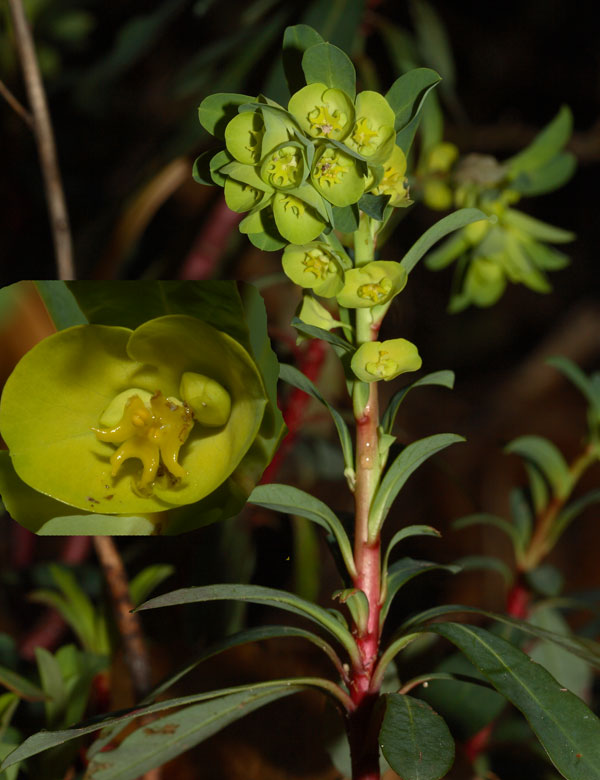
x,y
124,80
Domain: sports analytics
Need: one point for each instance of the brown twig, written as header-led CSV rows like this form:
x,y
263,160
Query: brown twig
x,y
44,136
128,622
15,104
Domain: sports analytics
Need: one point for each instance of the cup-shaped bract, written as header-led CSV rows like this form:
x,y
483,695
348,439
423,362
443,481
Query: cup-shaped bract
x,y
373,135
376,360
296,220
283,167
394,182
243,137
322,112
96,416
314,266
373,284
337,177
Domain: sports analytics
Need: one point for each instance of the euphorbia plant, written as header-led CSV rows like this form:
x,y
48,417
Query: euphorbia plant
x,y
324,177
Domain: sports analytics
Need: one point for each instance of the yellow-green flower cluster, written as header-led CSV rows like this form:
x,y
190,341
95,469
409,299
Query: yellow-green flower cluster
x,y
290,167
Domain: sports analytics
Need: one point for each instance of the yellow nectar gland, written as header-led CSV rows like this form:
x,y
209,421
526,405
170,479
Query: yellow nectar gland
x,y
284,167
154,435
295,205
329,170
323,122
254,142
317,263
363,135
383,366
376,291
393,183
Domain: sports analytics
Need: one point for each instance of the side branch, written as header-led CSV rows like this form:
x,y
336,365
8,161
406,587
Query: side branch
x,y
44,137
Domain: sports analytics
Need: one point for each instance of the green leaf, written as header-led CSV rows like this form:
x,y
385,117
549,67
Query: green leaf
x,y
44,740
483,518
547,458
447,252
546,580
147,580
320,333
403,466
216,111
60,304
296,378
575,375
568,730
20,685
53,684
296,40
438,378
324,63
486,563
520,510
257,594
403,571
536,228
407,93
547,179
399,536
414,739
581,647
292,501
345,218
571,672
571,511
374,205
452,222
201,170
162,740
544,146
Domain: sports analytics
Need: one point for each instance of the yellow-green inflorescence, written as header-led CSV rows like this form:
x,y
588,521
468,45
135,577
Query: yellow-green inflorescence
x,y
325,149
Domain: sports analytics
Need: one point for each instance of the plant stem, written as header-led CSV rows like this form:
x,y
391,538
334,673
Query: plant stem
x,y
363,726
44,137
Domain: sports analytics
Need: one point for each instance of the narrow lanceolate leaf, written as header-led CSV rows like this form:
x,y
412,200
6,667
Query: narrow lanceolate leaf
x,y
547,458
403,571
405,533
296,378
568,731
320,333
571,511
259,595
324,63
44,740
163,739
455,221
544,146
20,685
414,739
291,500
439,378
536,228
408,461
483,518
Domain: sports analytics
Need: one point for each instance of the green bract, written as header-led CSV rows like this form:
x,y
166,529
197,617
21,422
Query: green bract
x,y
117,421
394,182
322,112
314,266
373,134
372,284
243,137
385,360
337,177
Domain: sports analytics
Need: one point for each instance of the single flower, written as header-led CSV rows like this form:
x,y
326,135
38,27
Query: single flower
x,y
376,360
132,422
373,284
314,266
